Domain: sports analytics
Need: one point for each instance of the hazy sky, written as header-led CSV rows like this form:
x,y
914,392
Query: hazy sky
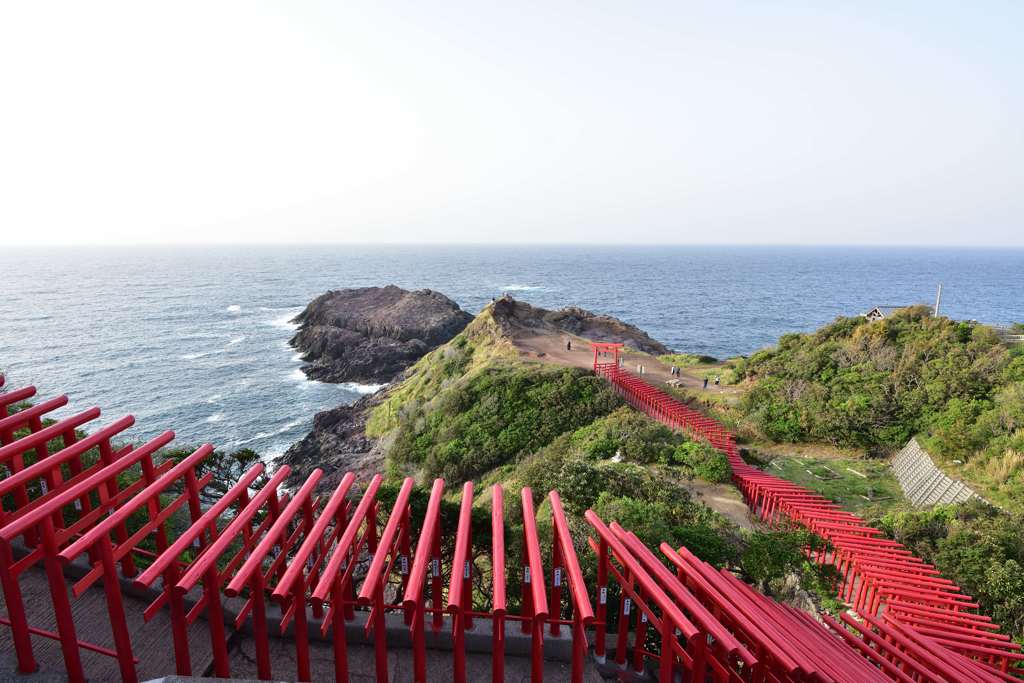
x,y
682,122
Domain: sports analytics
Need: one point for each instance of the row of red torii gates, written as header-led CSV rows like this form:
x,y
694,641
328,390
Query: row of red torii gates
x,y
300,560
899,598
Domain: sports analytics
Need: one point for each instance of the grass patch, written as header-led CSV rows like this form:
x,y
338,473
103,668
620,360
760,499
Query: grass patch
x,y
685,360
858,485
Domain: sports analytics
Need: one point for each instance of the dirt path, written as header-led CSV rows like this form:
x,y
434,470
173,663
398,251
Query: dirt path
x,y
551,349
723,498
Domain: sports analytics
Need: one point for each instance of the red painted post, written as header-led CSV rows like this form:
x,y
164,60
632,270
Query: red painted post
x,y
380,625
61,604
625,609
413,597
498,570
555,600
600,636
583,612
115,609
338,638
459,580
16,612
538,598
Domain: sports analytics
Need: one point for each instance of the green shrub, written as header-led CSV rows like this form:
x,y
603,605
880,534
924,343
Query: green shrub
x,y
486,419
979,547
873,385
702,461
770,556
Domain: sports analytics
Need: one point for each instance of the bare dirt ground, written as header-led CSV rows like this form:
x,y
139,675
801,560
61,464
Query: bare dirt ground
x,y
723,498
551,348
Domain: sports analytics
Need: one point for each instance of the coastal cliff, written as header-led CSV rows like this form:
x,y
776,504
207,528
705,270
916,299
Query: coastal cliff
x,y
516,317
384,334
372,334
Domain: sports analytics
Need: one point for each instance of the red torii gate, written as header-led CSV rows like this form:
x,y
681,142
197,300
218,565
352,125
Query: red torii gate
x,y
874,571
66,498
603,351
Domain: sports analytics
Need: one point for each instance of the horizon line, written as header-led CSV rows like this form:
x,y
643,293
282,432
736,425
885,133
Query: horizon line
x,y
412,243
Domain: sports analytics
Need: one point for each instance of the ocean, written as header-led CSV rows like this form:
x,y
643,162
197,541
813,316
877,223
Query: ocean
x,y
195,339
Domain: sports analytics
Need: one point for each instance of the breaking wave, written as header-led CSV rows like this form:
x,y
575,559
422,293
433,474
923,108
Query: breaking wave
x,y
362,388
523,288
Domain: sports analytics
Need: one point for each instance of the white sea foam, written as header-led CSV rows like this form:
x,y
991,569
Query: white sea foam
x,y
284,322
297,358
291,425
273,451
236,340
260,435
214,398
234,308
216,417
362,388
523,288
203,354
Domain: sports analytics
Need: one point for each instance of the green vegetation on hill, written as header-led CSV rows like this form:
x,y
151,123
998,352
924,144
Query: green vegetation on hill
x,y
473,410
875,384
685,360
495,416
975,545
479,346
863,486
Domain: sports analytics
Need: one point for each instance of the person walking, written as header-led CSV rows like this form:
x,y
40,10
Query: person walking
x,y
568,344
717,378
705,382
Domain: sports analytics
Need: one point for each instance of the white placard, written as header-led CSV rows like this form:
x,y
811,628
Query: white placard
x,y
526,574
603,597
626,604
558,576
403,564
435,566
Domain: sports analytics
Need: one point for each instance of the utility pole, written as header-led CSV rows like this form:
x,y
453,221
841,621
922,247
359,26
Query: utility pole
x,y
938,299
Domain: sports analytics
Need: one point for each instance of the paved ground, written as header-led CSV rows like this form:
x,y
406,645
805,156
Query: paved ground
x,y
151,642
152,647
362,667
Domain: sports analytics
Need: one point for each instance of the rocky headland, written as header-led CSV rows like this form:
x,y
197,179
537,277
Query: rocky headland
x,y
372,334
375,334
518,317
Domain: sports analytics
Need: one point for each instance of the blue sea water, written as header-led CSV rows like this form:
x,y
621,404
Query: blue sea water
x,y
196,338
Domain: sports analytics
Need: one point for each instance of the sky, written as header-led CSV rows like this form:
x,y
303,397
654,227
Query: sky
x,y
600,122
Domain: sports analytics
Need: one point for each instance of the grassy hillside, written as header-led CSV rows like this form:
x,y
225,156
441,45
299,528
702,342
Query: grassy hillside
x,y
873,385
474,410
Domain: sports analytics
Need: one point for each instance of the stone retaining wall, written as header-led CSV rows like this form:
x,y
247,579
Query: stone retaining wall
x,y
922,482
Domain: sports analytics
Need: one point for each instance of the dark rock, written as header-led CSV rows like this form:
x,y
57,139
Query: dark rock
x,y
372,334
336,444
515,317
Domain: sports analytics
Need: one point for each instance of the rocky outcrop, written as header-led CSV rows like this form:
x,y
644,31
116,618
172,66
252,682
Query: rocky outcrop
x,y
336,444
372,334
518,317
